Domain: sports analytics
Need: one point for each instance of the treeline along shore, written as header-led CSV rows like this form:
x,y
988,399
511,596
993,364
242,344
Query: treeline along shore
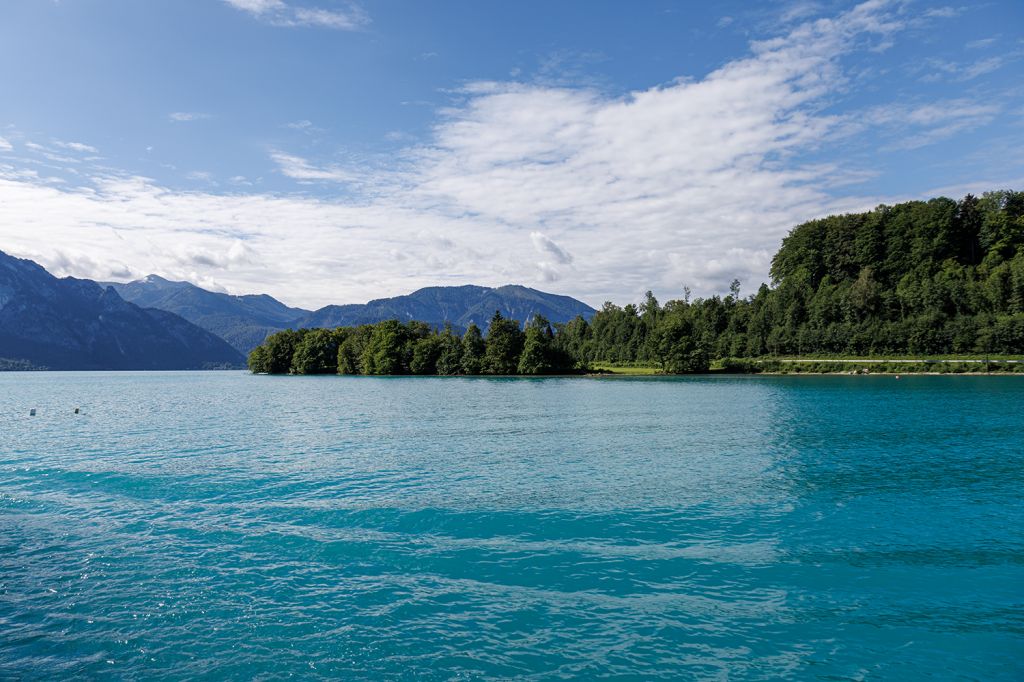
x,y
922,278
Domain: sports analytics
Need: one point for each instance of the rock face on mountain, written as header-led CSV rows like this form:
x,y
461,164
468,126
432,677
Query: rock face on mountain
x,y
458,305
242,321
69,323
245,321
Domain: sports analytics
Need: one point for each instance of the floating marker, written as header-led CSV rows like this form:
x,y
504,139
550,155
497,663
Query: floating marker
x,y
32,412
77,409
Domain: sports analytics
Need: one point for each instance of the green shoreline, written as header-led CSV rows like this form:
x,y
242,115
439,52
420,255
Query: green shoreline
x,y
968,366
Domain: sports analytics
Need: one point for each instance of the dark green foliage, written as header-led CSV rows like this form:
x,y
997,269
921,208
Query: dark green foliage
x,y
473,348
449,358
425,354
391,347
504,345
389,350
920,278
540,355
917,278
317,352
280,349
259,360
676,345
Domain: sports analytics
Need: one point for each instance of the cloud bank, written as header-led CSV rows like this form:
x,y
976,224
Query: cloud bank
x,y
691,183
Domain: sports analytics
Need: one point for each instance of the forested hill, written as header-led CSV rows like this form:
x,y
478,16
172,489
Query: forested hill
x,y
922,277
925,277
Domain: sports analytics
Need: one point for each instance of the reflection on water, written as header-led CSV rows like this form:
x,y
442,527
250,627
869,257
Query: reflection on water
x,y
234,526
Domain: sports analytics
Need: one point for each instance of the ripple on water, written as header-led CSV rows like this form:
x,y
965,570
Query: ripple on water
x,y
221,525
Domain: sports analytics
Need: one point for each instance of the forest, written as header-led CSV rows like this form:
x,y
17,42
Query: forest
x,y
917,278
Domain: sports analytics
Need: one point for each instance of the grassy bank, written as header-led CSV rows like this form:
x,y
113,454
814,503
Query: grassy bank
x,y
901,365
946,364
628,370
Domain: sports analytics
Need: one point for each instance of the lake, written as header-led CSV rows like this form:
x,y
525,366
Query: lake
x,y
220,525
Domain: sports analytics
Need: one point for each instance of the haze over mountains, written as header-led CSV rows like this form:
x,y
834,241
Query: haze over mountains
x,y
154,323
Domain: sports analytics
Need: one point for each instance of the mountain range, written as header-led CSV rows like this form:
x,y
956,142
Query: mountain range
x,y
154,323
245,321
242,321
69,323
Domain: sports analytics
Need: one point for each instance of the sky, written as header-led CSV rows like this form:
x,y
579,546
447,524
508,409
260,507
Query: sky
x,y
328,151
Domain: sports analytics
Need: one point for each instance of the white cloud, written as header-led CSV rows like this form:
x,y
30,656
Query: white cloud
x,y
78,147
939,69
256,6
917,126
304,126
553,254
5,146
280,13
199,176
546,246
186,116
297,168
943,12
981,43
691,183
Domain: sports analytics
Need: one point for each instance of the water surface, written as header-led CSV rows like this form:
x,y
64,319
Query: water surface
x,y
224,526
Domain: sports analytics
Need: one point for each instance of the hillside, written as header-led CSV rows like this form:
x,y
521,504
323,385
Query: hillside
x,y
242,321
77,324
245,321
921,277
459,306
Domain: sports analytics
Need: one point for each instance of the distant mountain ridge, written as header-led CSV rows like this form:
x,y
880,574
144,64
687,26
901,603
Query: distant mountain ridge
x,y
242,321
245,321
78,324
460,306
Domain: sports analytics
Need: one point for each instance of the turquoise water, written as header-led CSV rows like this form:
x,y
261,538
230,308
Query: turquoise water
x,y
226,526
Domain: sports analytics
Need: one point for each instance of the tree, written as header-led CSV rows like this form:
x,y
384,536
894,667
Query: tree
x,y
538,348
449,359
504,345
280,348
387,351
573,341
425,354
473,349
259,360
317,352
350,351
678,350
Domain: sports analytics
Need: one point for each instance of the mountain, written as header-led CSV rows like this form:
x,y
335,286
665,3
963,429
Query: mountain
x,y
458,305
77,324
245,321
242,321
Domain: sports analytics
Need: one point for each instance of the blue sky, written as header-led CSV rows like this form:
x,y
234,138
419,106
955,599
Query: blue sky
x,y
328,151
